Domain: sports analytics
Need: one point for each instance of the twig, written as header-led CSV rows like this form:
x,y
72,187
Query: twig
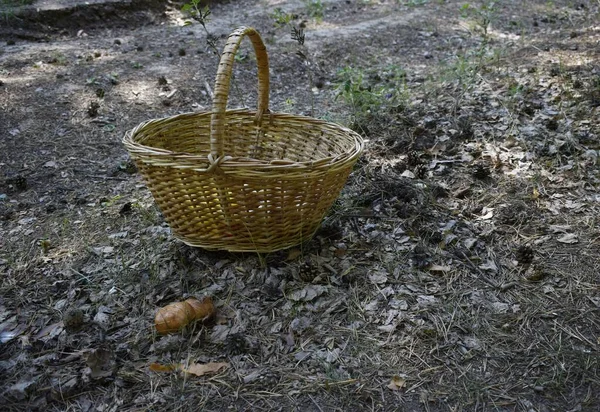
x,y
122,179
209,90
316,404
472,266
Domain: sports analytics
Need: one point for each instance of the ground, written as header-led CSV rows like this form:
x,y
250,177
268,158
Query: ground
x,y
459,270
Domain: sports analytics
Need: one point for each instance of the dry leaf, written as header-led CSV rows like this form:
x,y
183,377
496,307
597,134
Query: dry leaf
x,y
199,369
397,383
568,238
487,213
157,367
340,252
438,268
378,278
101,363
308,293
293,254
50,330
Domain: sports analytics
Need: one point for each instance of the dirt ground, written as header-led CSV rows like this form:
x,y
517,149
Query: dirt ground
x,y
458,271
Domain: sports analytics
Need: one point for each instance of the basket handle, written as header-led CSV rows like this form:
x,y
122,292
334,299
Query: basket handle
x,y
221,92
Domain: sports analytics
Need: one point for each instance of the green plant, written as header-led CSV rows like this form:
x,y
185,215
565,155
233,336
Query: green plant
x,y
201,15
58,59
112,200
367,93
7,8
302,53
15,3
315,9
413,3
281,18
289,104
482,16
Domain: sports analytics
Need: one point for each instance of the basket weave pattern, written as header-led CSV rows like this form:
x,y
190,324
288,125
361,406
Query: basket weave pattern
x,y
243,180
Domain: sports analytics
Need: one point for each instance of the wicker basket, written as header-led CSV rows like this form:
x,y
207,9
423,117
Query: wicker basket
x,y
243,180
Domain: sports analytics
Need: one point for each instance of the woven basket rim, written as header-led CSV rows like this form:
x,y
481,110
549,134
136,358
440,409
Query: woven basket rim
x,y
133,145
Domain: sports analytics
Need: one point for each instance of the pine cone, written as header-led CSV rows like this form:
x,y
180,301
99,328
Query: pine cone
x,y
481,171
420,258
308,271
400,166
413,158
17,183
524,255
21,183
421,171
236,344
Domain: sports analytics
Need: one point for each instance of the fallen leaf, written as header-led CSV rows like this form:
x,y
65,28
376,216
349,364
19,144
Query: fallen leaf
x,y
398,304
300,324
397,383
489,265
308,293
387,328
340,252
559,228
50,331
293,254
21,390
104,250
101,363
568,238
426,300
438,268
378,278
372,306
200,369
487,213
157,367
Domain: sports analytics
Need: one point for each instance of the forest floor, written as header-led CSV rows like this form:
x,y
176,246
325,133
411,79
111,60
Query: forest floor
x,y
458,271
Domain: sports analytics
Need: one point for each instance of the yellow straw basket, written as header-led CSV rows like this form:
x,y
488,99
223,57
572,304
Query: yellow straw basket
x,y
243,180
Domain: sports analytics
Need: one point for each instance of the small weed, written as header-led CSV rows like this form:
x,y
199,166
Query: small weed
x,y
289,104
315,9
241,57
15,3
201,15
302,53
367,93
45,245
112,200
6,14
281,18
413,3
482,16
58,59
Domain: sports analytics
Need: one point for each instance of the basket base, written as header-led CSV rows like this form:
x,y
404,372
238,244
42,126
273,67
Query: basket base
x,y
255,248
